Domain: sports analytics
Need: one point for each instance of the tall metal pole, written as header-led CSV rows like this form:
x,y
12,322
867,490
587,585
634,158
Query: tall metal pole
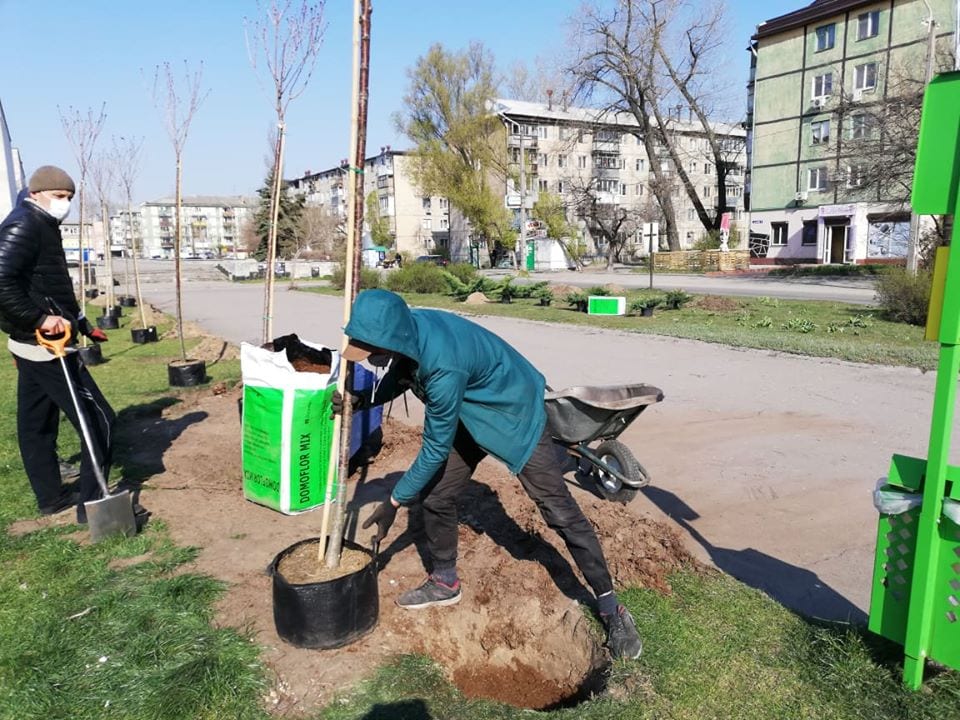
x,y
521,245
913,244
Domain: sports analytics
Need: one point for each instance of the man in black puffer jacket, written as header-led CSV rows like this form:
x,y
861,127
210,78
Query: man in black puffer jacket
x,y
36,293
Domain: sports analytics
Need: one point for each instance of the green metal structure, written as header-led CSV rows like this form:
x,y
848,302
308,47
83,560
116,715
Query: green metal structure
x,y
916,581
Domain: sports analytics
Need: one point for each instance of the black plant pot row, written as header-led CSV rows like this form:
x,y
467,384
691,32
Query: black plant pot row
x,y
187,373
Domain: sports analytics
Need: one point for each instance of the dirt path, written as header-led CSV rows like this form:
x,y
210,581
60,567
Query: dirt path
x,y
518,635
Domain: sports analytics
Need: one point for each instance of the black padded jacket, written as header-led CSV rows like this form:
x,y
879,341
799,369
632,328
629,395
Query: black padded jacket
x,y
34,280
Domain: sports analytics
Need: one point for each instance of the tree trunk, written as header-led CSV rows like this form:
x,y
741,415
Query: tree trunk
x,y
136,264
272,235
82,264
176,260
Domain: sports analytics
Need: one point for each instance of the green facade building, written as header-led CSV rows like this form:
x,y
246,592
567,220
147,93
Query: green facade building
x,y
833,112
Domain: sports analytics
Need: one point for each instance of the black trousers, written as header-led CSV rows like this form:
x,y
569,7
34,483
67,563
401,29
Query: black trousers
x,y
542,478
42,393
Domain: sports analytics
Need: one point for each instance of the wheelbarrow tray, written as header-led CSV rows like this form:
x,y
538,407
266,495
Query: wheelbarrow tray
x,y
582,414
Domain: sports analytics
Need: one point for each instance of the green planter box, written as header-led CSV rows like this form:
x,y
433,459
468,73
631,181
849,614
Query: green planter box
x,y
603,305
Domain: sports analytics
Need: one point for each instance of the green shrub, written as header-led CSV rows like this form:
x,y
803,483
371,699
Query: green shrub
x,y
464,272
369,278
598,290
418,278
532,290
708,241
676,299
645,301
575,298
903,297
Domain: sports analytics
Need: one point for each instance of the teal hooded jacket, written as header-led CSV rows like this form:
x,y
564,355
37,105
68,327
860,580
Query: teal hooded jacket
x,y
462,373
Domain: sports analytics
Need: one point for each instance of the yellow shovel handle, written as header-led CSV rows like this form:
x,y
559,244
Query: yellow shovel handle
x,y
58,346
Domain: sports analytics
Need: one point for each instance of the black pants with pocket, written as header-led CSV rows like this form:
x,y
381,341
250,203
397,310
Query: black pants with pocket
x,y
42,393
541,477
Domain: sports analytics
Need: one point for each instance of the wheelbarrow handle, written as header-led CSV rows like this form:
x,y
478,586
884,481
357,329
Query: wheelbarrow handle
x,y
58,346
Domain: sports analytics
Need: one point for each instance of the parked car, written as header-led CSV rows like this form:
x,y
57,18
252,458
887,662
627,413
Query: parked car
x,y
435,259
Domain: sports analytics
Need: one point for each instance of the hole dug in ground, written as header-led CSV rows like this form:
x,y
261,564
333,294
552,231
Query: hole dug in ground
x,y
530,658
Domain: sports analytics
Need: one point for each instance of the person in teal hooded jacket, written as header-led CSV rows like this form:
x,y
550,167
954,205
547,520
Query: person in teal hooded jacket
x,y
481,397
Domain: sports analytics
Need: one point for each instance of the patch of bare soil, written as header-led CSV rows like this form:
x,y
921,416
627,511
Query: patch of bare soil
x,y
717,303
476,298
304,566
519,634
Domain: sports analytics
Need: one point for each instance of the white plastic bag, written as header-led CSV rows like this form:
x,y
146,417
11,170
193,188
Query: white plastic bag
x,y
894,502
951,508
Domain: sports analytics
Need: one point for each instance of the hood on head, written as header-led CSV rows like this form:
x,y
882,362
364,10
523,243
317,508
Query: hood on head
x,y
382,318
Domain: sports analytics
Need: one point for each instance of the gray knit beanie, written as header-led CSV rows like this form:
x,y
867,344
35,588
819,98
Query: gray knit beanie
x,y
49,177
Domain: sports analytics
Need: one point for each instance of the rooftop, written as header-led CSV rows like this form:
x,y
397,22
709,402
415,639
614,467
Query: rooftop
x,y
817,10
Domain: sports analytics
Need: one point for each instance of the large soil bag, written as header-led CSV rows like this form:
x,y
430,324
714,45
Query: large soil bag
x,y
287,430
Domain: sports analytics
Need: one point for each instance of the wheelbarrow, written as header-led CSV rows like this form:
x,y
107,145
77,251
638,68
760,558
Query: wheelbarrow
x,y
578,416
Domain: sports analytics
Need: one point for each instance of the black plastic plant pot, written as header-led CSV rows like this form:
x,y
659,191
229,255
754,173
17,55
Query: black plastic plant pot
x,y
505,299
91,293
144,335
108,322
545,302
646,312
112,310
128,301
327,614
187,373
582,305
91,355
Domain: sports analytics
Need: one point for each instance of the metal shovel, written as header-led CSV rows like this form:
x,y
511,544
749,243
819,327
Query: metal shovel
x,y
111,514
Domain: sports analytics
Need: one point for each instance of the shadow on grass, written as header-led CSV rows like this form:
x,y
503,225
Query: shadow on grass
x,y
142,436
796,588
403,710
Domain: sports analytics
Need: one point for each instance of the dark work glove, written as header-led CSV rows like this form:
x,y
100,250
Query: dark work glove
x,y
336,403
383,516
97,335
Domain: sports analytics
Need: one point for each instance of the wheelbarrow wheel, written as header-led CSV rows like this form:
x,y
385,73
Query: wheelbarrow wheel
x,y
618,456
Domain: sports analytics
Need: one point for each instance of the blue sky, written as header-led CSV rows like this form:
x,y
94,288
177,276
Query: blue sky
x,y
82,54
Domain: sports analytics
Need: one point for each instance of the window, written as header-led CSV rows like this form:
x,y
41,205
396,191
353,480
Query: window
x,y
865,76
820,132
444,203
426,206
861,127
694,166
691,214
542,186
665,165
823,85
543,131
560,186
708,168
444,224
384,204
561,161
868,25
623,188
809,234
706,191
826,37
581,161
639,189
778,233
607,161
426,224
640,164
542,159
817,179
564,133
609,186
856,175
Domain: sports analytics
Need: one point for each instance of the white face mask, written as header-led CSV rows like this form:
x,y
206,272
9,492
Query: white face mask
x,y
59,208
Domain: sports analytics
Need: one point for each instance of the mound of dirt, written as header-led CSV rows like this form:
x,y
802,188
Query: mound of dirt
x,y
519,635
561,291
476,298
717,303
615,289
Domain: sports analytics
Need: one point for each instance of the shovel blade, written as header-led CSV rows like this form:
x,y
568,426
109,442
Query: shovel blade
x,y
112,515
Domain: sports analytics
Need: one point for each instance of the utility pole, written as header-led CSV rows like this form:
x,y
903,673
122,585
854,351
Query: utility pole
x,y
913,244
521,245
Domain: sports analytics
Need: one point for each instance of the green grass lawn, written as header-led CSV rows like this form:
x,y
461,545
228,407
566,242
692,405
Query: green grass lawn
x,y
86,637
820,329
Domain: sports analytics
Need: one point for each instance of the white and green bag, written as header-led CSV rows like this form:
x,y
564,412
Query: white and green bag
x,y
287,430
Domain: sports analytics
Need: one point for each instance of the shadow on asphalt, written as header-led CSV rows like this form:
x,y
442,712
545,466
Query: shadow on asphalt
x,y
798,589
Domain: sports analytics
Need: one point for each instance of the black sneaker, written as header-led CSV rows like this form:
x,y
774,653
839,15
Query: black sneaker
x,y
622,637
66,501
432,593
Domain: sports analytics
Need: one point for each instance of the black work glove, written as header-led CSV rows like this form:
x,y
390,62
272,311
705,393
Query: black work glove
x,y
336,403
383,516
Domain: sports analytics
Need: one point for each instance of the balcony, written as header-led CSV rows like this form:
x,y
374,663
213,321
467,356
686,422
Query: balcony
x,y
529,141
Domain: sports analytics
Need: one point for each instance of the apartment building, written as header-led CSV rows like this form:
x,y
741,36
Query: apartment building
x,y
418,224
125,232
211,226
567,149
12,179
824,81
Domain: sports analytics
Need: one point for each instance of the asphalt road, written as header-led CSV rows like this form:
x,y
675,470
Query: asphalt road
x,y
765,460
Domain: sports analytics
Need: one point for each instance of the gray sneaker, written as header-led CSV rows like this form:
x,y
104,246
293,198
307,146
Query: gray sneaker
x,y
432,593
622,637
68,472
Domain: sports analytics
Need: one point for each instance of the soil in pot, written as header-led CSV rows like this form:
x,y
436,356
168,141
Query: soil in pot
x,y
91,355
108,322
326,608
186,373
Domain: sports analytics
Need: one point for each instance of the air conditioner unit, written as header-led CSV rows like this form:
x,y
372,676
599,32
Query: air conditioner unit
x,y
800,197
817,102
